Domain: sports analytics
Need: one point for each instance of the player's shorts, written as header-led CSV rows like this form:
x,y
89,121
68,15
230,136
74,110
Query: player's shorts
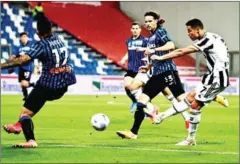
x,y
143,77
207,93
130,74
173,82
158,83
39,95
24,75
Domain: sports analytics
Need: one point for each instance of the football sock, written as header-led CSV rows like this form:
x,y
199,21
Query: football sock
x,y
130,95
176,108
173,101
138,118
27,127
195,117
136,93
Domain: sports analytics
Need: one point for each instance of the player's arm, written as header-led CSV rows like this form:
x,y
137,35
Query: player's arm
x,y
124,59
166,47
176,53
16,61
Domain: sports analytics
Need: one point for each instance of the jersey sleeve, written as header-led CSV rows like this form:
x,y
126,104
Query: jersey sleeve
x,y
36,51
163,36
203,43
145,42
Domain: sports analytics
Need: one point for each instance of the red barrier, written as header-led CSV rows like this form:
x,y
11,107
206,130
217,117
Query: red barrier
x,y
100,25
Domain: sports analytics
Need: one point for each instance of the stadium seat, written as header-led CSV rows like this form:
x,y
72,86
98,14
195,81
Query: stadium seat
x,y
15,21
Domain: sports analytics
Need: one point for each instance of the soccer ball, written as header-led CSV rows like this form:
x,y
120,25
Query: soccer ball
x,y
100,121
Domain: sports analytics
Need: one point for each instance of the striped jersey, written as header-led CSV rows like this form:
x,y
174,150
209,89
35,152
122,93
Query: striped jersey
x,y
216,54
134,57
53,54
157,39
23,49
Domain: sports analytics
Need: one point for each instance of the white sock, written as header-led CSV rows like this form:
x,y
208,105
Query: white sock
x,y
171,98
185,115
136,93
174,101
150,107
176,108
195,117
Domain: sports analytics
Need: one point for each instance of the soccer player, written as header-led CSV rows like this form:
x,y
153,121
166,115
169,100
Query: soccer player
x,y
57,75
134,59
164,73
214,81
25,70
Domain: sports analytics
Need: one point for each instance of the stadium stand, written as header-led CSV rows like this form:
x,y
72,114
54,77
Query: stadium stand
x,y
85,60
95,45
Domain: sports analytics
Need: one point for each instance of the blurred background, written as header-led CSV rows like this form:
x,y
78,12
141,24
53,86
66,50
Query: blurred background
x,y
96,32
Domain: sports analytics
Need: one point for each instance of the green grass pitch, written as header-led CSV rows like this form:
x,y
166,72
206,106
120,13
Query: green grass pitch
x,y
64,133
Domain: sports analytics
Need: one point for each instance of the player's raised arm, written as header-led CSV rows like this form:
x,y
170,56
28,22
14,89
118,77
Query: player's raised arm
x,y
16,61
176,53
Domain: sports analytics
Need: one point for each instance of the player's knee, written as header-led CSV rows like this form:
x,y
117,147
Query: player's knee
x,y
197,105
191,97
24,84
133,87
127,86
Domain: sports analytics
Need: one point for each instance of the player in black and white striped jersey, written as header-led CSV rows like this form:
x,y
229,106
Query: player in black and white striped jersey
x,y
214,81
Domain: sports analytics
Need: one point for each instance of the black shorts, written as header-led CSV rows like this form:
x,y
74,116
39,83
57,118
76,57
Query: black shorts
x,y
39,95
130,74
158,83
24,75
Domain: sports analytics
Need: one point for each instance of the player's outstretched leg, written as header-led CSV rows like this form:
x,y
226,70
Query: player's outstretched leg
x,y
221,100
138,118
15,128
28,130
168,94
195,117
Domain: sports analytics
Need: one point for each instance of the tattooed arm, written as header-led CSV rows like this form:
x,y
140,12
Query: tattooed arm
x,y
16,61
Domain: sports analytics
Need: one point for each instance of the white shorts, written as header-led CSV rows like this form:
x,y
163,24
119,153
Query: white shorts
x,y
207,93
143,77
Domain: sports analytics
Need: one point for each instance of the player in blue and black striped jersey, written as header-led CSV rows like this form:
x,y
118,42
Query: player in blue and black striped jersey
x,y
57,75
164,76
25,70
134,58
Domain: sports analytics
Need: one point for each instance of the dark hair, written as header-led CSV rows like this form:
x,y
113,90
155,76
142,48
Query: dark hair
x,y
195,23
155,16
44,26
136,23
23,33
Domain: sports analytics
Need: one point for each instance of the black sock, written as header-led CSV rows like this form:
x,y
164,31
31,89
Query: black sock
x,y
28,127
138,118
130,95
25,92
31,84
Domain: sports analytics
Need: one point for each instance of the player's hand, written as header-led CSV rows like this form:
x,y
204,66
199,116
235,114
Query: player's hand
x,y
123,62
140,49
155,57
144,69
149,51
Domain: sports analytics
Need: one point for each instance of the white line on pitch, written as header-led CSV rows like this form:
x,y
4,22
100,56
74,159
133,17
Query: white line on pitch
x,y
143,149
